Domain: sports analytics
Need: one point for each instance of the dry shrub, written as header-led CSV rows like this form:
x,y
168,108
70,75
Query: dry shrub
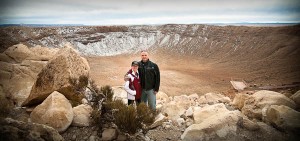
x,y
145,114
108,92
78,86
130,119
99,96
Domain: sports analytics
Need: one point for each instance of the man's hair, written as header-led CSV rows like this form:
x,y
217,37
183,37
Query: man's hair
x,y
144,51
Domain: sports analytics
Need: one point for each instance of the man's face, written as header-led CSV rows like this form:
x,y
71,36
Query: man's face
x,y
144,56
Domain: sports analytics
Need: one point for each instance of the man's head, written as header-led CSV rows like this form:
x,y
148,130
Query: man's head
x,y
135,65
144,56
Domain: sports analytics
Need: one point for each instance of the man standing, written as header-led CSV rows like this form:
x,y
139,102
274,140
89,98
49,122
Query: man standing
x,y
150,80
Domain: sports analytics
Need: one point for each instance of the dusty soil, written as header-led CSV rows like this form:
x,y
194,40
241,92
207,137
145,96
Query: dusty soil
x,y
189,75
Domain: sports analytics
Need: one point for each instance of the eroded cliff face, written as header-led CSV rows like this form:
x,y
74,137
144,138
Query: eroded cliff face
x,y
271,51
201,40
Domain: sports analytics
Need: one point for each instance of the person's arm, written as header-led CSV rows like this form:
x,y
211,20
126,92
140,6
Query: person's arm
x,y
157,80
126,77
127,89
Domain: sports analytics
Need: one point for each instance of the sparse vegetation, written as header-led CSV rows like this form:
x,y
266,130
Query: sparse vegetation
x,y
97,99
78,87
129,119
108,92
79,84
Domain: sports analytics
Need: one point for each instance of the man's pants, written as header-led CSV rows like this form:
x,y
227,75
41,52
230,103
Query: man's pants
x,y
150,97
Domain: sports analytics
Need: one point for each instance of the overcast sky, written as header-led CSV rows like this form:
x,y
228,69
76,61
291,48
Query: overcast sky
x,y
128,12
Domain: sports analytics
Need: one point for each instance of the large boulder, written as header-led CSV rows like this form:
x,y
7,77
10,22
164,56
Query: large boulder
x,y
213,98
216,127
208,111
283,117
173,110
239,100
232,125
18,52
56,111
255,103
82,115
296,98
59,74
14,130
19,68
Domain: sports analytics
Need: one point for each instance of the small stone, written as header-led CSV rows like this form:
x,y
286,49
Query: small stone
x,y
84,101
74,137
122,137
95,133
109,134
167,127
180,121
189,112
94,138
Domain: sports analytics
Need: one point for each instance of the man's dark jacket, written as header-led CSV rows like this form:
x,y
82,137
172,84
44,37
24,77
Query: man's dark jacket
x,y
149,75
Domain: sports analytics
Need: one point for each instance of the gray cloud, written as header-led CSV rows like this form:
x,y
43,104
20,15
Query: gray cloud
x,y
114,11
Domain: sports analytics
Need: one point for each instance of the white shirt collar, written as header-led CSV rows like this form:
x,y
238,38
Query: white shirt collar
x,y
132,72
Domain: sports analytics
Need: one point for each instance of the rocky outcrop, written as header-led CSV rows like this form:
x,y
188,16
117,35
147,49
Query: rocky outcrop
x,y
13,130
217,127
82,115
255,103
213,98
55,111
20,52
57,75
19,68
208,111
282,117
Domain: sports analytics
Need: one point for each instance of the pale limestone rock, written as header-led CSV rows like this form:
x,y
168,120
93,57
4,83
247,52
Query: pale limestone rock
x,y
82,115
255,103
208,111
56,111
239,100
283,117
57,75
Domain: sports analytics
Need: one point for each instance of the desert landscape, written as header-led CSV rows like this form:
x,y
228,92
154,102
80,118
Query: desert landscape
x,y
198,58
196,61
